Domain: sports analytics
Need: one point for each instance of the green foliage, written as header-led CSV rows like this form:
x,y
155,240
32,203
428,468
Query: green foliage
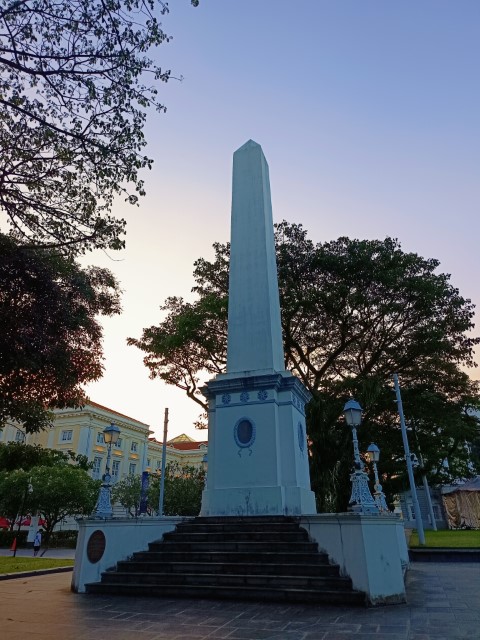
x,y
66,538
14,494
183,490
18,455
192,339
76,84
448,539
51,340
182,497
127,493
18,564
7,538
353,313
60,492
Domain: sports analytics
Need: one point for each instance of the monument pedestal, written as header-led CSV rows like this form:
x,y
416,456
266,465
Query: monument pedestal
x,y
257,449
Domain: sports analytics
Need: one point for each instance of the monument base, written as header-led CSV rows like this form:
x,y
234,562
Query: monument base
x,y
258,501
370,549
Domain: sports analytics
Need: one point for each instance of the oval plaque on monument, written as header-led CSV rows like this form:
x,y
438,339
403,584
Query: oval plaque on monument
x,y
96,546
244,433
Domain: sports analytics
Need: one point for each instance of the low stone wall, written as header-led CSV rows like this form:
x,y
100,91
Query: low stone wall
x,y
102,543
370,549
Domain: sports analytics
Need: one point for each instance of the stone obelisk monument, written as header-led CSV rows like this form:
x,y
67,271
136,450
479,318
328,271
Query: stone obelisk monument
x,y
257,446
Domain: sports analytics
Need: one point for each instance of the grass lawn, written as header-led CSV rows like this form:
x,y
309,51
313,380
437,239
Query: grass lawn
x,y
449,539
14,565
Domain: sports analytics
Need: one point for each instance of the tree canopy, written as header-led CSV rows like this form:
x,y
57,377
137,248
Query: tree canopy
x,y
35,479
77,79
51,340
17,455
62,491
353,313
183,491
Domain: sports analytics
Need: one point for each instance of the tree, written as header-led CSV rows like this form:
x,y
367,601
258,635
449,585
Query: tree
x,y
14,495
183,491
51,340
17,455
127,493
62,491
77,81
353,313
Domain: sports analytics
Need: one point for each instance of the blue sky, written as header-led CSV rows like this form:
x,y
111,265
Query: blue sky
x,y
368,112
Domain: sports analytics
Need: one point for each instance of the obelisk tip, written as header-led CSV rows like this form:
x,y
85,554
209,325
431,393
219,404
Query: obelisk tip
x,y
249,144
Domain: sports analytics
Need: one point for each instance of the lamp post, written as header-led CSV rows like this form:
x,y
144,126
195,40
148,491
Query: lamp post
x,y
373,456
408,459
361,500
104,504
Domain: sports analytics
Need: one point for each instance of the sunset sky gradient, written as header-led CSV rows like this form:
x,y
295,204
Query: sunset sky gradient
x,y
368,113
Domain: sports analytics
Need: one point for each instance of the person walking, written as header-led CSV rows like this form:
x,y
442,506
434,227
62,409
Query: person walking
x,y
37,542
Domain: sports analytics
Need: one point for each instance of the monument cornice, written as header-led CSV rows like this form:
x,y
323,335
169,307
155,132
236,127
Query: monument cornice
x,y
277,381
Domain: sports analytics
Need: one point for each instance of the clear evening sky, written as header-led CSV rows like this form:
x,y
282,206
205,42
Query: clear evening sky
x,y
368,112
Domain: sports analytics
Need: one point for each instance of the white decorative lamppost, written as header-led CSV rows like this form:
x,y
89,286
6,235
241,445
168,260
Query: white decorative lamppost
x,y
361,500
373,456
104,503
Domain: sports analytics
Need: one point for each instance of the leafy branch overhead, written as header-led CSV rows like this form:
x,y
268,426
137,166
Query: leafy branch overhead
x,y
77,79
51,339
353,313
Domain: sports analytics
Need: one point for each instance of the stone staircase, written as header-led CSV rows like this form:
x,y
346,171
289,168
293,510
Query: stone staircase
x,y
251,558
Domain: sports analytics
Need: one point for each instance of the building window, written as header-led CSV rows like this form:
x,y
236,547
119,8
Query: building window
x,y
115,470
97,466
100,439
133,447
159,464
148,462
19,436
131,468
118,444
67,436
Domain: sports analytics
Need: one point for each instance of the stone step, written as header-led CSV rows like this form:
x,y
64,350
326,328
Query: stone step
x,y
288,557
257,527
236,536
259,558
245,520
228,580
239,568
326,596
234,546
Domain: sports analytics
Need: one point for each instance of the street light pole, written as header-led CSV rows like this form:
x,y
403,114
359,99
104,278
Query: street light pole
x,y
413,489
373,455
104,503
164,459
424,479
361,500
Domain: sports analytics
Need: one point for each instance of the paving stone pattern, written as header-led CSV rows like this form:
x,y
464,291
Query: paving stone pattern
x,y
443,603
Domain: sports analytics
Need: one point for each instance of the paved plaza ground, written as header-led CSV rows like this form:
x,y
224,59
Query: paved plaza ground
x,y
443,603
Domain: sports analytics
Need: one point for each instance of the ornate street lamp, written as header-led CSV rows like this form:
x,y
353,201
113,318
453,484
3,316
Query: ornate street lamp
x,y
104,503
373,456
361,500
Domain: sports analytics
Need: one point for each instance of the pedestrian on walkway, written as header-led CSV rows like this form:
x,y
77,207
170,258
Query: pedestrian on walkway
x,y
37,542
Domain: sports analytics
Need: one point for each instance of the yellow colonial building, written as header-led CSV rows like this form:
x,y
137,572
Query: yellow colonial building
x,y
81,431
